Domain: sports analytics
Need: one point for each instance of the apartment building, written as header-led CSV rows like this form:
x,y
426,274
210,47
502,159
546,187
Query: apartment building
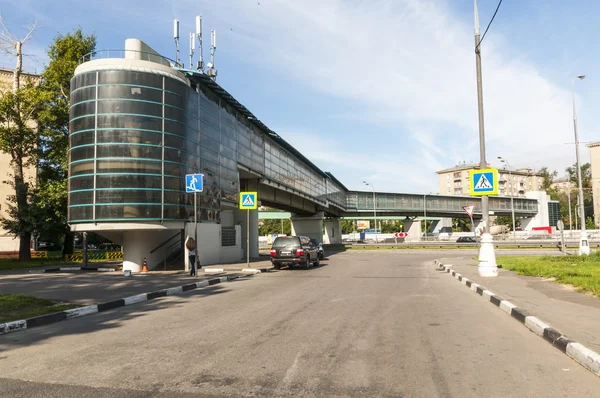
x,y
455,181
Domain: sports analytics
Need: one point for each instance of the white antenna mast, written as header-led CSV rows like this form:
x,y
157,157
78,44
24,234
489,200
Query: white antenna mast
x,y
176,37
212,72
199,36
192,48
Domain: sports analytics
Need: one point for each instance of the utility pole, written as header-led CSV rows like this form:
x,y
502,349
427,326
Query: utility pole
x,y
584,247
487,257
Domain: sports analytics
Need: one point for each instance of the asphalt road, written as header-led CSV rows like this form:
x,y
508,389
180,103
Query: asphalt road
x,y
383,324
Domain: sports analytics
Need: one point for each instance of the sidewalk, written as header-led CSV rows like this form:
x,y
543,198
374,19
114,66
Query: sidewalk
x,y
89,288
574,314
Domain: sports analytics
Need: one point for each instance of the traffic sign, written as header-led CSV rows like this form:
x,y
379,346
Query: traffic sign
x,y
469,209
248,200
483,182
194,183
560,225
400,234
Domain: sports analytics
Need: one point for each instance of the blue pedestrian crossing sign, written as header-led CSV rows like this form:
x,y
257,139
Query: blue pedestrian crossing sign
x,y
248,200
483,182
194,183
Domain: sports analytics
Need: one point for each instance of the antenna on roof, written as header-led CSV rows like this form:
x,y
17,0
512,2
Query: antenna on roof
x,y
199,36
176,37
192,48
212,72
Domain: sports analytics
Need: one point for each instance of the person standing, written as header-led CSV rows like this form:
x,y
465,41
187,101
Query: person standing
x,y
191,246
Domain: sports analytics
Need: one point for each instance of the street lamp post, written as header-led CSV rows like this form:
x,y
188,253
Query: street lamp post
x,y
512,195
487,257
425,215
374,208
584,247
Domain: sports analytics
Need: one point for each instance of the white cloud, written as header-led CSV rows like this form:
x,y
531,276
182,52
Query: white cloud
x,y
410,63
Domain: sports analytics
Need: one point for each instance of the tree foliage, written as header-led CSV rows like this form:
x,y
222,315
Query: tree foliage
x,y
586,175
270,227
53,123
18,137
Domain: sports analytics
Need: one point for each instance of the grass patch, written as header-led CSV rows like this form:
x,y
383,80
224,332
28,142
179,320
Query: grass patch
x,y
583,272
19,306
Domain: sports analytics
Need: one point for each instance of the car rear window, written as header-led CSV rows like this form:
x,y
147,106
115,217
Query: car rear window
x,y
288,241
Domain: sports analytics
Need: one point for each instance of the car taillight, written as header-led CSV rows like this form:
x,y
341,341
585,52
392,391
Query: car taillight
x,y
273,253
300,252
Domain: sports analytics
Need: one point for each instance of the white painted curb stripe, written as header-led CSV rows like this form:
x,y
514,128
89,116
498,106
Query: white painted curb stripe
x,y
457,275
487,295
507,306
253,270
135,299
213,270
474,286
70,269
535,325
223,279
584,356
82,311
107,270
202,284
465,280
174,290
13,326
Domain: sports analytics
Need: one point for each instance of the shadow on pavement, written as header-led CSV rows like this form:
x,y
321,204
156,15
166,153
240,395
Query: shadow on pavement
x,y
111,319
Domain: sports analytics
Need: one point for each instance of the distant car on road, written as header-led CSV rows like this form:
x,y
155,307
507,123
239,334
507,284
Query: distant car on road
x,y
319,246
466,239
294,250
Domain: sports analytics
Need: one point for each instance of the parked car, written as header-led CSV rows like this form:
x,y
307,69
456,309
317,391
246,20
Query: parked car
x,y
319,246
294,251
466,239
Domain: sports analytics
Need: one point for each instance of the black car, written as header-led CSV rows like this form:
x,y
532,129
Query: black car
x,y
466,239
294,251
319,248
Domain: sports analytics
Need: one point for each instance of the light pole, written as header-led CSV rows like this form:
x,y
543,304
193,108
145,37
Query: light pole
x,y
584,247
374,208
487,257
570,219
425,215
512,194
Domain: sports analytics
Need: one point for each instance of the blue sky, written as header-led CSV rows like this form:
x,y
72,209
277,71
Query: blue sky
x,y
378,90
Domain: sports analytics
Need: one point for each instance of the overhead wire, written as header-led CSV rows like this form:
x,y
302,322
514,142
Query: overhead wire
x,y
490,24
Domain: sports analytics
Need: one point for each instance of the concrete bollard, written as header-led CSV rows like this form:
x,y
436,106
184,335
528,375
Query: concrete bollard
x,y
487,257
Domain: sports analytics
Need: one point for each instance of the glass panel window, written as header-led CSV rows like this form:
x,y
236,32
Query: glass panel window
x,y
86,182
128,181
81,213
131,107
129,136
147,94
133,151
128,211
129,166
128,196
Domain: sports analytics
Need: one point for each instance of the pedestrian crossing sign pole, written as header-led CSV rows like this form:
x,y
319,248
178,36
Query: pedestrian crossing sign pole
x,y
483,182
248,201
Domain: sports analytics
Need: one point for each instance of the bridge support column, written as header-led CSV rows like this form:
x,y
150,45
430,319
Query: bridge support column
x,y
443,225
333,231
311,226
413,227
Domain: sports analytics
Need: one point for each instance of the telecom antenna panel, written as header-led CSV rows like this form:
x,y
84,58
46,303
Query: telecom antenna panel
x,y
199,36
176,37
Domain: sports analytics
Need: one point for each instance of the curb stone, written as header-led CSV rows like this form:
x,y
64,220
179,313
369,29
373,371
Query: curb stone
x,y
70,269
576,351
47,319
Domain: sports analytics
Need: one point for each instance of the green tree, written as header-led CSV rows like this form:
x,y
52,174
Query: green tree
x,y
348,226
64,54
586,175
548,180
391,227
275,226
18,137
